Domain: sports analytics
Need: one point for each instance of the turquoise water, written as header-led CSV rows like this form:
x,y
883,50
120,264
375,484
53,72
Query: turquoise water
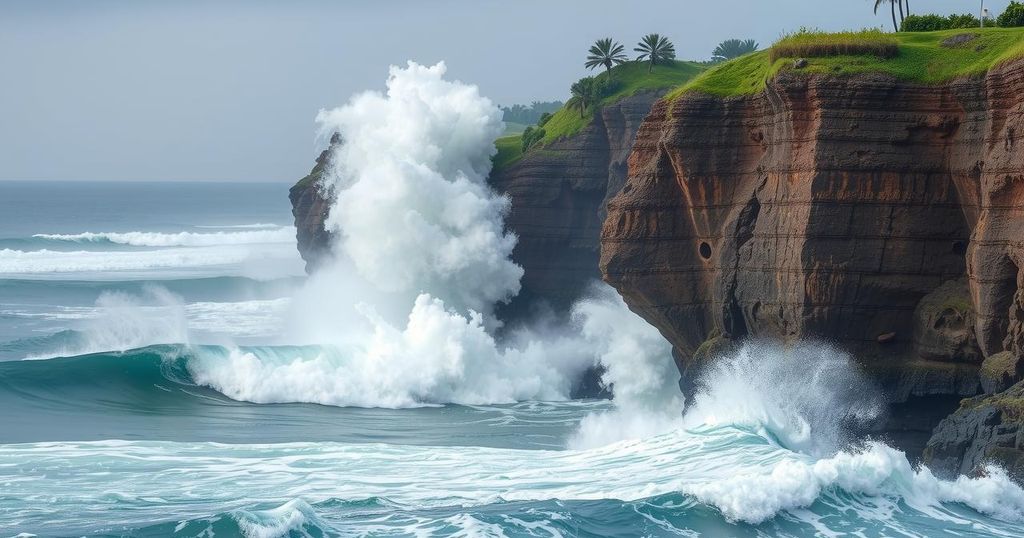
x,y
135,301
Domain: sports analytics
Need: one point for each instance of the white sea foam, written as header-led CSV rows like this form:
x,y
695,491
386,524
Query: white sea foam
x,y
120,322
748,478
438,356
405,310
807,394
252,226
412,210
280,234
277,259
637,364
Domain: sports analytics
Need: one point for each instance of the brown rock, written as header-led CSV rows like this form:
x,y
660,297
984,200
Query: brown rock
x,y
559,193
826,207
944,324
310,206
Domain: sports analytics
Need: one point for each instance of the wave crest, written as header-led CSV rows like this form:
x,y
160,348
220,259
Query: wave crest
x,y
279,234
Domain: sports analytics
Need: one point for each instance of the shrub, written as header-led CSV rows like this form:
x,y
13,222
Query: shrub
x,y
817,44
924,23
531,137
543,119
932,22
966,20
1013,16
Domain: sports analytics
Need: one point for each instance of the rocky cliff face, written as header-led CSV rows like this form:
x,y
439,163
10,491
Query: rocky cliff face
x,y
310,206
885,217
559,194
558,197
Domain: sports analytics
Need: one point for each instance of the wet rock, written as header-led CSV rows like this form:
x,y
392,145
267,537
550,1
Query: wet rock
x,y
1001,371
944,323
985,429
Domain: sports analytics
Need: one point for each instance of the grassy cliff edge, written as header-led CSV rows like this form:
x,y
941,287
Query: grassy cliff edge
x,y
921,57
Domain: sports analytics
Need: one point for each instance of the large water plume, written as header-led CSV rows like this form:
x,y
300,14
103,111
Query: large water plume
x,y
422,256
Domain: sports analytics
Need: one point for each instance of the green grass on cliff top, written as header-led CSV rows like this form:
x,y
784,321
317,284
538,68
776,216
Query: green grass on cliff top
x,y
510,149
919,57
631,77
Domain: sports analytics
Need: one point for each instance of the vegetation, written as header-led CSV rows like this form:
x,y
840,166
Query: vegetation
x,y
892,9
932,22
630,78
528,115
655,49
530,137
1013,16
817,44
893,6
607,53
922,57
733,48
585,92
510,149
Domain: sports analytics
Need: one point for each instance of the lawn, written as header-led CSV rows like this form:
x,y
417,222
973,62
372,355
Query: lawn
x,y
922,57
632,77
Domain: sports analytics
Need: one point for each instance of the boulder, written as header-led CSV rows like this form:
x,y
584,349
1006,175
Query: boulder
x,y
944,324
1001,371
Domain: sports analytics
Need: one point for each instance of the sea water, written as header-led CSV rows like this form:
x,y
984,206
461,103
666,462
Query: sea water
x,y
105,432
167,369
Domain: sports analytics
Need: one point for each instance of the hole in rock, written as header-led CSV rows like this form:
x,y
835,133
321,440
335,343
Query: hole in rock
x,y
959,247
705,250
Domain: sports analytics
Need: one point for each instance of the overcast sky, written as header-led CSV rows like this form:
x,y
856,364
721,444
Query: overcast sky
x,y
206,90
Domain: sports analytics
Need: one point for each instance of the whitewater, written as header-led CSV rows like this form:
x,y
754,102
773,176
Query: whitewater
x,y
167,369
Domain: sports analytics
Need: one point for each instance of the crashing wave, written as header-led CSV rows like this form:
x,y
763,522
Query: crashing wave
x,y
278,234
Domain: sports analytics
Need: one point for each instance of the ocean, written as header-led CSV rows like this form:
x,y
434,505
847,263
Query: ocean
x,y
106,432
168,369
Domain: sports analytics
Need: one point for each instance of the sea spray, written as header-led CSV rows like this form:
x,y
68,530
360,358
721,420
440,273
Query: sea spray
x,y
806,395
122,321
638,366
404,311
412,209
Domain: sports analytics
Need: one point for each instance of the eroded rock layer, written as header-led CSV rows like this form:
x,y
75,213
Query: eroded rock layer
x,y
559,194
830,207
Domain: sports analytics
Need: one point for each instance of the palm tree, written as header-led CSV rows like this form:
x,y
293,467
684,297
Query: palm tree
x,y
733,48
655,49
892,8
607,53
582,93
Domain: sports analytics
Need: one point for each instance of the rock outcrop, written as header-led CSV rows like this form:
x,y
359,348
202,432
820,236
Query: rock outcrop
x,y
310,206
559,193
882,216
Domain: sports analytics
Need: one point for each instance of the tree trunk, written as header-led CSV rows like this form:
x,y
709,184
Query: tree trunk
x,y
899,3
908,8
650,66
892,8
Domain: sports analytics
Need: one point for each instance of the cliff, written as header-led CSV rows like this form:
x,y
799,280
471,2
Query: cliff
x,y
559,193
310,206
883,215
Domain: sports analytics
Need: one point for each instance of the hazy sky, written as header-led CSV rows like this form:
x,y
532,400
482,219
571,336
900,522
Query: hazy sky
x,y
205,90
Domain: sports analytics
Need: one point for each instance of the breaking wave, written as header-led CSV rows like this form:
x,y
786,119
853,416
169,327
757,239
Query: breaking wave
x,y
44,263
277,234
